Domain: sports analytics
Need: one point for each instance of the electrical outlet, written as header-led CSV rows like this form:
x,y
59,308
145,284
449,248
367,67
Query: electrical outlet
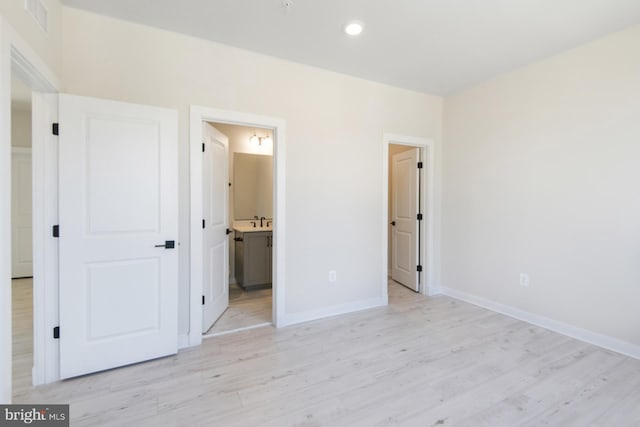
x,y
524,279
332,276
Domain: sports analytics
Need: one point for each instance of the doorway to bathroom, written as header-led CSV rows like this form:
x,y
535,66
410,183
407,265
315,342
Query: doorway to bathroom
x,y
250,219
237,222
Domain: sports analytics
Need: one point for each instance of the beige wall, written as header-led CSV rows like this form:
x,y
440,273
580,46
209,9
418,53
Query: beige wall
x,y
335,126
45,45
20,128
541,177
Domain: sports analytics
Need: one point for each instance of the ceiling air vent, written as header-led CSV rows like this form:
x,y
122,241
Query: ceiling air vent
x,y
38,11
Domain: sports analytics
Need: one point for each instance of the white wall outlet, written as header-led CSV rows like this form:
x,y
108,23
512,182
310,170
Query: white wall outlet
x,y
524,279
332,276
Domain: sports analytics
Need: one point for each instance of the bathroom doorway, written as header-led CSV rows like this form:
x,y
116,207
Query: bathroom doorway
x,y
254,220
250,213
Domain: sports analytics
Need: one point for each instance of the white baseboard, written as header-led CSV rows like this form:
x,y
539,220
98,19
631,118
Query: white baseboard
x,y
604,341
292,319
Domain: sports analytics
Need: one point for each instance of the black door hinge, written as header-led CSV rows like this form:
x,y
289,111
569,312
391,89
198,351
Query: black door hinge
x,y
419,217
203,147
203,223
56,231
56,332
228,231
419,165
55,129
202,299
419,268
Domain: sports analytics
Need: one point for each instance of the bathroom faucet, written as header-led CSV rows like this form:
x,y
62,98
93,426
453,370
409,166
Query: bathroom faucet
x,y
262,219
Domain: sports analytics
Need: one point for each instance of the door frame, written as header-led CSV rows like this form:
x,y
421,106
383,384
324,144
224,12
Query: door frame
x,y
16,56
198,115
427,207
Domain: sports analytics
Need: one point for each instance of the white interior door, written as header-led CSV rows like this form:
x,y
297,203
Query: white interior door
x,y
404,211
215,176
21,215
118,201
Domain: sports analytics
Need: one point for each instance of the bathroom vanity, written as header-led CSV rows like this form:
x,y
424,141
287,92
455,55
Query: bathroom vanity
x,y
253,252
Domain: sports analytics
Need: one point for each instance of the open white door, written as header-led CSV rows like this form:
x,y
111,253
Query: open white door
x,y
215,176
404,210
21,215
118,225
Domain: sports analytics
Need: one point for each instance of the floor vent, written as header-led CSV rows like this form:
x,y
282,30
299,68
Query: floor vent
x,y
38,11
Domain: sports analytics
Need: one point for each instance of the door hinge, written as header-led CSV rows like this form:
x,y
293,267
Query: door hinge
x,y
419,268
203,147
202,299
55,128
419,217
56,332
203,223
228,231
419,165
56,231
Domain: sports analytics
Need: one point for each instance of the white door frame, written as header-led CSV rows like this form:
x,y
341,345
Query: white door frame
x,y
16,56
427,238
204,114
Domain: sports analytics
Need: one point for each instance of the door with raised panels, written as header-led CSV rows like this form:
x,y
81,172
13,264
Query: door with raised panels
x,y
118,234
215,204
404,211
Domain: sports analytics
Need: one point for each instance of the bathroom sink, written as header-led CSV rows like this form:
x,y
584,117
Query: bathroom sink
x,y
251,229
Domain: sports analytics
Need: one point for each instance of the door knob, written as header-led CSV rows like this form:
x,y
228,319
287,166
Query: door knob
x,y
168,244
393,223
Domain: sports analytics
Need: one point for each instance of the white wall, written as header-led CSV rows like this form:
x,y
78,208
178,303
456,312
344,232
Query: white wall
x,y
335,125
45,45
541,177
20,128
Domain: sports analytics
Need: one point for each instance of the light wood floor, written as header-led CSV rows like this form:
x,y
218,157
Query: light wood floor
x,y
418,362
246,308
22,325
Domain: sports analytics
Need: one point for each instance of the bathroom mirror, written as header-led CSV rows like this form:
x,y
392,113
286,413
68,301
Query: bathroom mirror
x,y
252,186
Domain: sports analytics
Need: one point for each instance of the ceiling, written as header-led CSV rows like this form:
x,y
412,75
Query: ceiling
x,y
432,46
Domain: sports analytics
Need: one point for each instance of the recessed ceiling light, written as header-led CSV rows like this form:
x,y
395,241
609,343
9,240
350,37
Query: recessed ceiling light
x,y
353,28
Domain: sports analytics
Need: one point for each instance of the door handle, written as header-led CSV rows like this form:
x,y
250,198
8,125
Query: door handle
x,y
168,244
393,223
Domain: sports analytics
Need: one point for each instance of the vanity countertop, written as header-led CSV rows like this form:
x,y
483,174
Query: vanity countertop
x,y
241,228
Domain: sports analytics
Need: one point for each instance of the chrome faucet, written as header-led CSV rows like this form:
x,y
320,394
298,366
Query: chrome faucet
x,y
262,219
